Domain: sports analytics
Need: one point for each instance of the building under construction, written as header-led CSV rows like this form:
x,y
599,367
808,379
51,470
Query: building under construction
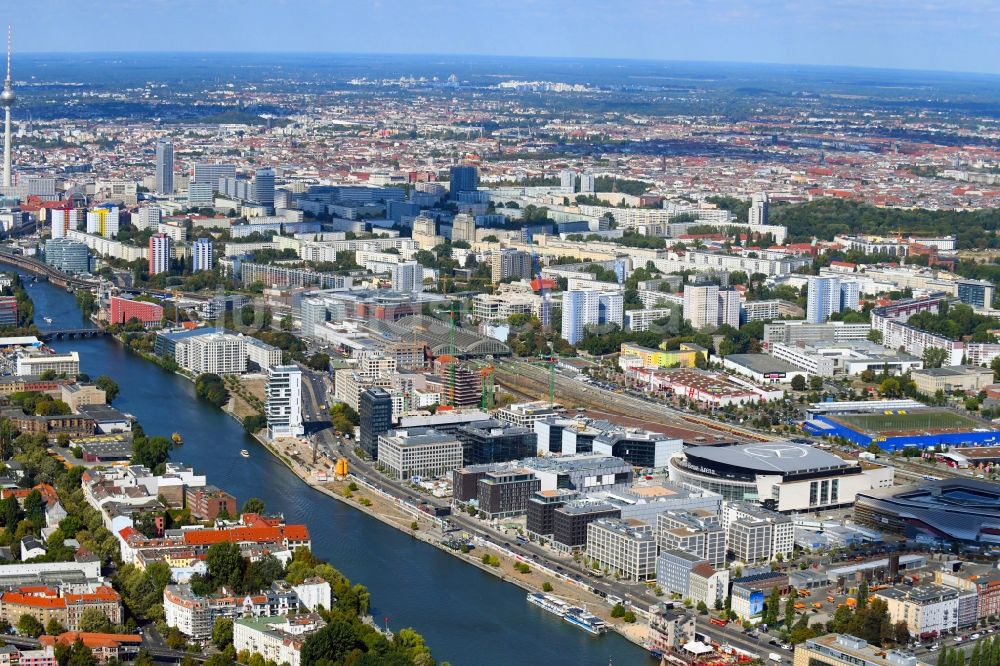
x,y
461,386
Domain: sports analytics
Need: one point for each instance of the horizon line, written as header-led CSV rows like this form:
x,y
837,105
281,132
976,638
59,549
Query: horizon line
x,y
776,64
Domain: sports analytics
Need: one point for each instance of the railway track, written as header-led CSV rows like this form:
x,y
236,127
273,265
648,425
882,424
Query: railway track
x,y
529,380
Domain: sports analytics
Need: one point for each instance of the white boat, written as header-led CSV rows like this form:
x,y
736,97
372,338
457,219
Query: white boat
x,y
244,453
552,604
47,320
586,621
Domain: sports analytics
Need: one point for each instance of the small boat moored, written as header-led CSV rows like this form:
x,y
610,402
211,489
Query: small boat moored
x,y
244,453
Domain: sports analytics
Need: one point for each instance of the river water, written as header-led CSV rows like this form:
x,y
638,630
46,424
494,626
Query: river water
x,y
465,615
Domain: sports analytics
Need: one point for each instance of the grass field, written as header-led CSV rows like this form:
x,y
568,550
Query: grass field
x,y
930,420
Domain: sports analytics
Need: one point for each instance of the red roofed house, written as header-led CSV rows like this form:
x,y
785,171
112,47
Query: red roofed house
x,y
103,646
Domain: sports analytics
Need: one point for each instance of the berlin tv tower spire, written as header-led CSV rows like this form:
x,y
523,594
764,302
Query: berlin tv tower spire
x,y
7,101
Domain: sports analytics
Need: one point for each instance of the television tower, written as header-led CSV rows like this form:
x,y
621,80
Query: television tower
x,y
7,100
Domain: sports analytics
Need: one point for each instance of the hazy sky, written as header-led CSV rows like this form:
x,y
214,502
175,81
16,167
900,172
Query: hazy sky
x,y
960,35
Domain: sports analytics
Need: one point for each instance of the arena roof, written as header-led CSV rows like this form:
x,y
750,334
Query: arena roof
x,y
767,458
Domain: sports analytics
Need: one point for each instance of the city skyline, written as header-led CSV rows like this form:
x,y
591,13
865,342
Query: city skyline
x,y
886,34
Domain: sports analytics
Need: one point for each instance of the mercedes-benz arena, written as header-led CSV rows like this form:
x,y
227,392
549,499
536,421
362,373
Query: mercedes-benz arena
x,y
783,476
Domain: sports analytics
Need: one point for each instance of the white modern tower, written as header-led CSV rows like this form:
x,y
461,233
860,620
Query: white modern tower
x,y
7,100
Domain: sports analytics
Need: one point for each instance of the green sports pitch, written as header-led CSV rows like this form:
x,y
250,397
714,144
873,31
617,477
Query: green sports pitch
x,y
918,420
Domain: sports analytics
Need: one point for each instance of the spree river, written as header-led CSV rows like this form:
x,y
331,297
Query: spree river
x,y
465,615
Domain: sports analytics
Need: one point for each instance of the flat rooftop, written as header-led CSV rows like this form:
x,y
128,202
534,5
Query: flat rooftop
x,y
762,363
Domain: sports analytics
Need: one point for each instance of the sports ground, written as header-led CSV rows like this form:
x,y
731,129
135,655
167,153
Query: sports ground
x,y
904,423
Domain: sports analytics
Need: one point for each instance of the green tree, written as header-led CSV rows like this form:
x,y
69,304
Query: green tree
x,y
225,564
790,610
28,625
772,607
799,383
53,627
34,508
815,382
222,632
934,357
629,617
94,621
331,643
109,386
319,361
862,596
617,610
254,505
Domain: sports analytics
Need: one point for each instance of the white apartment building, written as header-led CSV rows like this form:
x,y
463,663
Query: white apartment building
x,y
759,311
36,364
148,217
217,353
283,404
626,548
160,251
63,220
418,452
201,255
792,332
924,608
729,308
701,305
496,308
408,277
276,639
261,353
640,320
708,584
696,260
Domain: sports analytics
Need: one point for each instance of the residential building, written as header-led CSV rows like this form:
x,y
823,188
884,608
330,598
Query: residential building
x,y
103,221
759,311
276,639
160,253
148,217
508,263
264,355
828,294
626,548
408,277
201,254
924,608
205,172
758,209
669,630
420,452
589,308
701,305
216,353
208,503
708,584
463,228
525,414
46,604
63,219
263,187
794,332
123,310
729,308
980,294
283,406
